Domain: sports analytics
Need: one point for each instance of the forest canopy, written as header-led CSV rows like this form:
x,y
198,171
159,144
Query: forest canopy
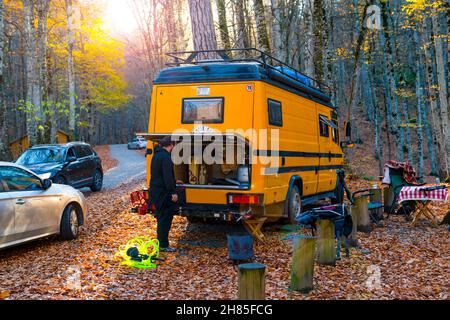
x,y
62,66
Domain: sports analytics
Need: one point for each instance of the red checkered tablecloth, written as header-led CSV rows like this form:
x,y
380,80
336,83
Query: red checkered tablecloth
x,y
421,194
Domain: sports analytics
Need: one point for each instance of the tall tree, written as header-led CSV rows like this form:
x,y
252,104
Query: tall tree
x,y
33,99
202,23
319,38
392,96
261,25
4,147
442,82
71,67
223,24
242,38
277,29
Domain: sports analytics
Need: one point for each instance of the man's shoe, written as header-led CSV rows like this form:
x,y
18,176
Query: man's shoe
x,y
168,249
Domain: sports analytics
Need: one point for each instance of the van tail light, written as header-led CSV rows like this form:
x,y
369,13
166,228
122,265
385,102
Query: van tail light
x,y
245,199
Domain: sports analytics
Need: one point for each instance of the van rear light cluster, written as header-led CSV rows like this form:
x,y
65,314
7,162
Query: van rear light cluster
x,y
245,199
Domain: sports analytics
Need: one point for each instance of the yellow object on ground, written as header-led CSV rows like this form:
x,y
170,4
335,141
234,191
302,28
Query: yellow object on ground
x,y
148,251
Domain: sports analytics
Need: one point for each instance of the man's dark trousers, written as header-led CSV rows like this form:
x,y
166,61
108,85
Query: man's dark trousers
x,y
164,218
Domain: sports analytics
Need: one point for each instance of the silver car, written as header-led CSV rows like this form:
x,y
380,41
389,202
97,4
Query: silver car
x,y
31,207
137,144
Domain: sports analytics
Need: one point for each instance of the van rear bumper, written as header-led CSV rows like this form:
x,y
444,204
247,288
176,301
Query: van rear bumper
x,y
214,211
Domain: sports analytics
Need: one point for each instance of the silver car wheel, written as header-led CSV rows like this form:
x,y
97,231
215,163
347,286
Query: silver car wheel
x,y
74,221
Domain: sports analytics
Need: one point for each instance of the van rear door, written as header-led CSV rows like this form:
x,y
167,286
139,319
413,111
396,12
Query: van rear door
x,y
221,106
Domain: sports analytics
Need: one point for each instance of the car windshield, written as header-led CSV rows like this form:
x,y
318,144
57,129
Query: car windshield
x,y
41,155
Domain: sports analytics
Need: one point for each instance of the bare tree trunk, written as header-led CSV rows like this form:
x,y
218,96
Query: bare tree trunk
x,y
71,68
170,22
441,65
420,109
277,34
309,46
319,31
242,40
32,97
390,77
43,7
203,26
223,24
357,69
261,25
433,97
4,143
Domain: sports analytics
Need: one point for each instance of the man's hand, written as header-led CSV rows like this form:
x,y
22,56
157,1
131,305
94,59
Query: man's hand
x,y
180,182
174,198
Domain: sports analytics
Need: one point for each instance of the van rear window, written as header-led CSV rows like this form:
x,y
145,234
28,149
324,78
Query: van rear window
x,y
207,110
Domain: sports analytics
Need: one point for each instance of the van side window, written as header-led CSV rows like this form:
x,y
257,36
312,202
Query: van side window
x,y
335,132
275,113
324,127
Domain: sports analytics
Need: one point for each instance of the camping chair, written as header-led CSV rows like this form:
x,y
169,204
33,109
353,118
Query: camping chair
x,y
339,214
397,179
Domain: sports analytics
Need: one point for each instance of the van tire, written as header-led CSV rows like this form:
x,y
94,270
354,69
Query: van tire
x,y
294,206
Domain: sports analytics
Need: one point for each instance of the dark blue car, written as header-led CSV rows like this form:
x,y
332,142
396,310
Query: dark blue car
x,y
75,164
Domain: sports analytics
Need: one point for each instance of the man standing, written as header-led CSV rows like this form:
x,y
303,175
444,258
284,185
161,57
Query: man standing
x,y
163,194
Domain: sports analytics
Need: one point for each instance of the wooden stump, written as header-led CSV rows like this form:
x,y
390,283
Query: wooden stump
x,y
388,198
353,238
364,223
302,270
326,245
252,282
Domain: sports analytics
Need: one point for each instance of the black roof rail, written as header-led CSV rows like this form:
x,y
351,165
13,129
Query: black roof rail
x,y
244,55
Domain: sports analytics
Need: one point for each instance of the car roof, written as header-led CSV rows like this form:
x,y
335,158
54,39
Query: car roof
x,y
66,145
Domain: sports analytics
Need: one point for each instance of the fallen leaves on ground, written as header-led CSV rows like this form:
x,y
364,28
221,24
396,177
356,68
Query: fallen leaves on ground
x,y
413,261
108,162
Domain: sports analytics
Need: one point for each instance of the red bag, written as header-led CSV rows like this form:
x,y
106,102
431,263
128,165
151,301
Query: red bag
x,y
139,202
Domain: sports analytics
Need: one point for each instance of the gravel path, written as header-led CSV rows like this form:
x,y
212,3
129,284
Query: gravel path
x,y
132,166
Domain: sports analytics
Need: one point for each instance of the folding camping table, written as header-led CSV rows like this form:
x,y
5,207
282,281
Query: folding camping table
x,y
254,227
423,197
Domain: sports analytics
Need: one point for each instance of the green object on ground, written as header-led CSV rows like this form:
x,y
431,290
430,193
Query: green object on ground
x,y
148,252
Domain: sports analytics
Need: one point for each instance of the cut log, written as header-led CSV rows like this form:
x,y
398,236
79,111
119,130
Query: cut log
x,y
252,282
353,238
302,271
388,199
326,245
364,224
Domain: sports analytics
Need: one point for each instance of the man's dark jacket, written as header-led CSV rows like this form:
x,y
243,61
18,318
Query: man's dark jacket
x,y
162,182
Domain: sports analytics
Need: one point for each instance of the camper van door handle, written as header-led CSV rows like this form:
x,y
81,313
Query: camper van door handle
x,y
329,156
283,161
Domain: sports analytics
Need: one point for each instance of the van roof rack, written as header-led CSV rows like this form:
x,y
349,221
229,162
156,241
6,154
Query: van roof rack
x,y
245,55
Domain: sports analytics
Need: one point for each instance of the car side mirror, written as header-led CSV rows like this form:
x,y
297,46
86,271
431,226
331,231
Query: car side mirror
x,y
47,184
71,159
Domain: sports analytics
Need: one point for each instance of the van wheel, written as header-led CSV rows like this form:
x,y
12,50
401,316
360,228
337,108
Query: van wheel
x,y
294,205
69,223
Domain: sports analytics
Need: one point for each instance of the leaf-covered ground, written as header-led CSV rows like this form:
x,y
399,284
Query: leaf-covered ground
x,y
414,262
108,162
